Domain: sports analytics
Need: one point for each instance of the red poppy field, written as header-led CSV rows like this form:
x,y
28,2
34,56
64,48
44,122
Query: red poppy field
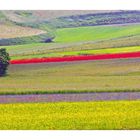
x,y
77,58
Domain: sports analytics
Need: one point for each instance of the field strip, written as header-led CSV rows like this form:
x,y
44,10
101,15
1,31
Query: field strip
x,y
78,58
9,31
70,97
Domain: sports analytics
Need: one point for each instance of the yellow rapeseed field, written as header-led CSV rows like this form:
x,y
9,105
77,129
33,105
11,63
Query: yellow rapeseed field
x,y
74,115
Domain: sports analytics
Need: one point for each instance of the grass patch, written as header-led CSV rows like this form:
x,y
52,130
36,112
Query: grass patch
x,y
77,115
95,33
94,76
82,52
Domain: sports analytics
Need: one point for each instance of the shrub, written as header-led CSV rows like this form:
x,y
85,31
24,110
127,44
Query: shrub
x,y
4,61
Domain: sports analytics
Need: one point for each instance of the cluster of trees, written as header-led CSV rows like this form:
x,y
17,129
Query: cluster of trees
x,y
4,61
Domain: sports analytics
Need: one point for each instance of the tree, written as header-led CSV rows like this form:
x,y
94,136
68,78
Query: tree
x,y
4,61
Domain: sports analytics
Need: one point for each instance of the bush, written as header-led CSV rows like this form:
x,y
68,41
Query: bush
x,y
4,61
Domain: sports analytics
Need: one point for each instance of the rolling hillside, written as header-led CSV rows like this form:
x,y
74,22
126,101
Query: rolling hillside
x,y
82,40
45,15
40,28
51,20
11,33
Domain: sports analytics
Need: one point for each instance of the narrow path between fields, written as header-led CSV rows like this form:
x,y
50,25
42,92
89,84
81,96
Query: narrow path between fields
x,y
71,97
78,58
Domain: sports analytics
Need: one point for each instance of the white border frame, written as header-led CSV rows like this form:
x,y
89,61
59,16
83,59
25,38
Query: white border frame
x,y
70,5
70,135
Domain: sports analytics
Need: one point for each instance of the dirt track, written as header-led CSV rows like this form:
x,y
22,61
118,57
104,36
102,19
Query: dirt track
x,y
71,97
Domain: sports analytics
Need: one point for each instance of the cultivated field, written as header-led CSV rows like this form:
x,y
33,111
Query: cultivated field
x,y
90,76
105,39
76,53
83,115
95,33
12,31
36,34
39,15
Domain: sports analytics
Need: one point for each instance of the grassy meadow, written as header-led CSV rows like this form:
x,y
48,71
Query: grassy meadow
x,y
78,115
90,76
95,33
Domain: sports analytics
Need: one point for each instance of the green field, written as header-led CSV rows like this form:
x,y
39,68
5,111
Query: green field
x,y
76,115
101,76
71,41
82,52
38,50
95,33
